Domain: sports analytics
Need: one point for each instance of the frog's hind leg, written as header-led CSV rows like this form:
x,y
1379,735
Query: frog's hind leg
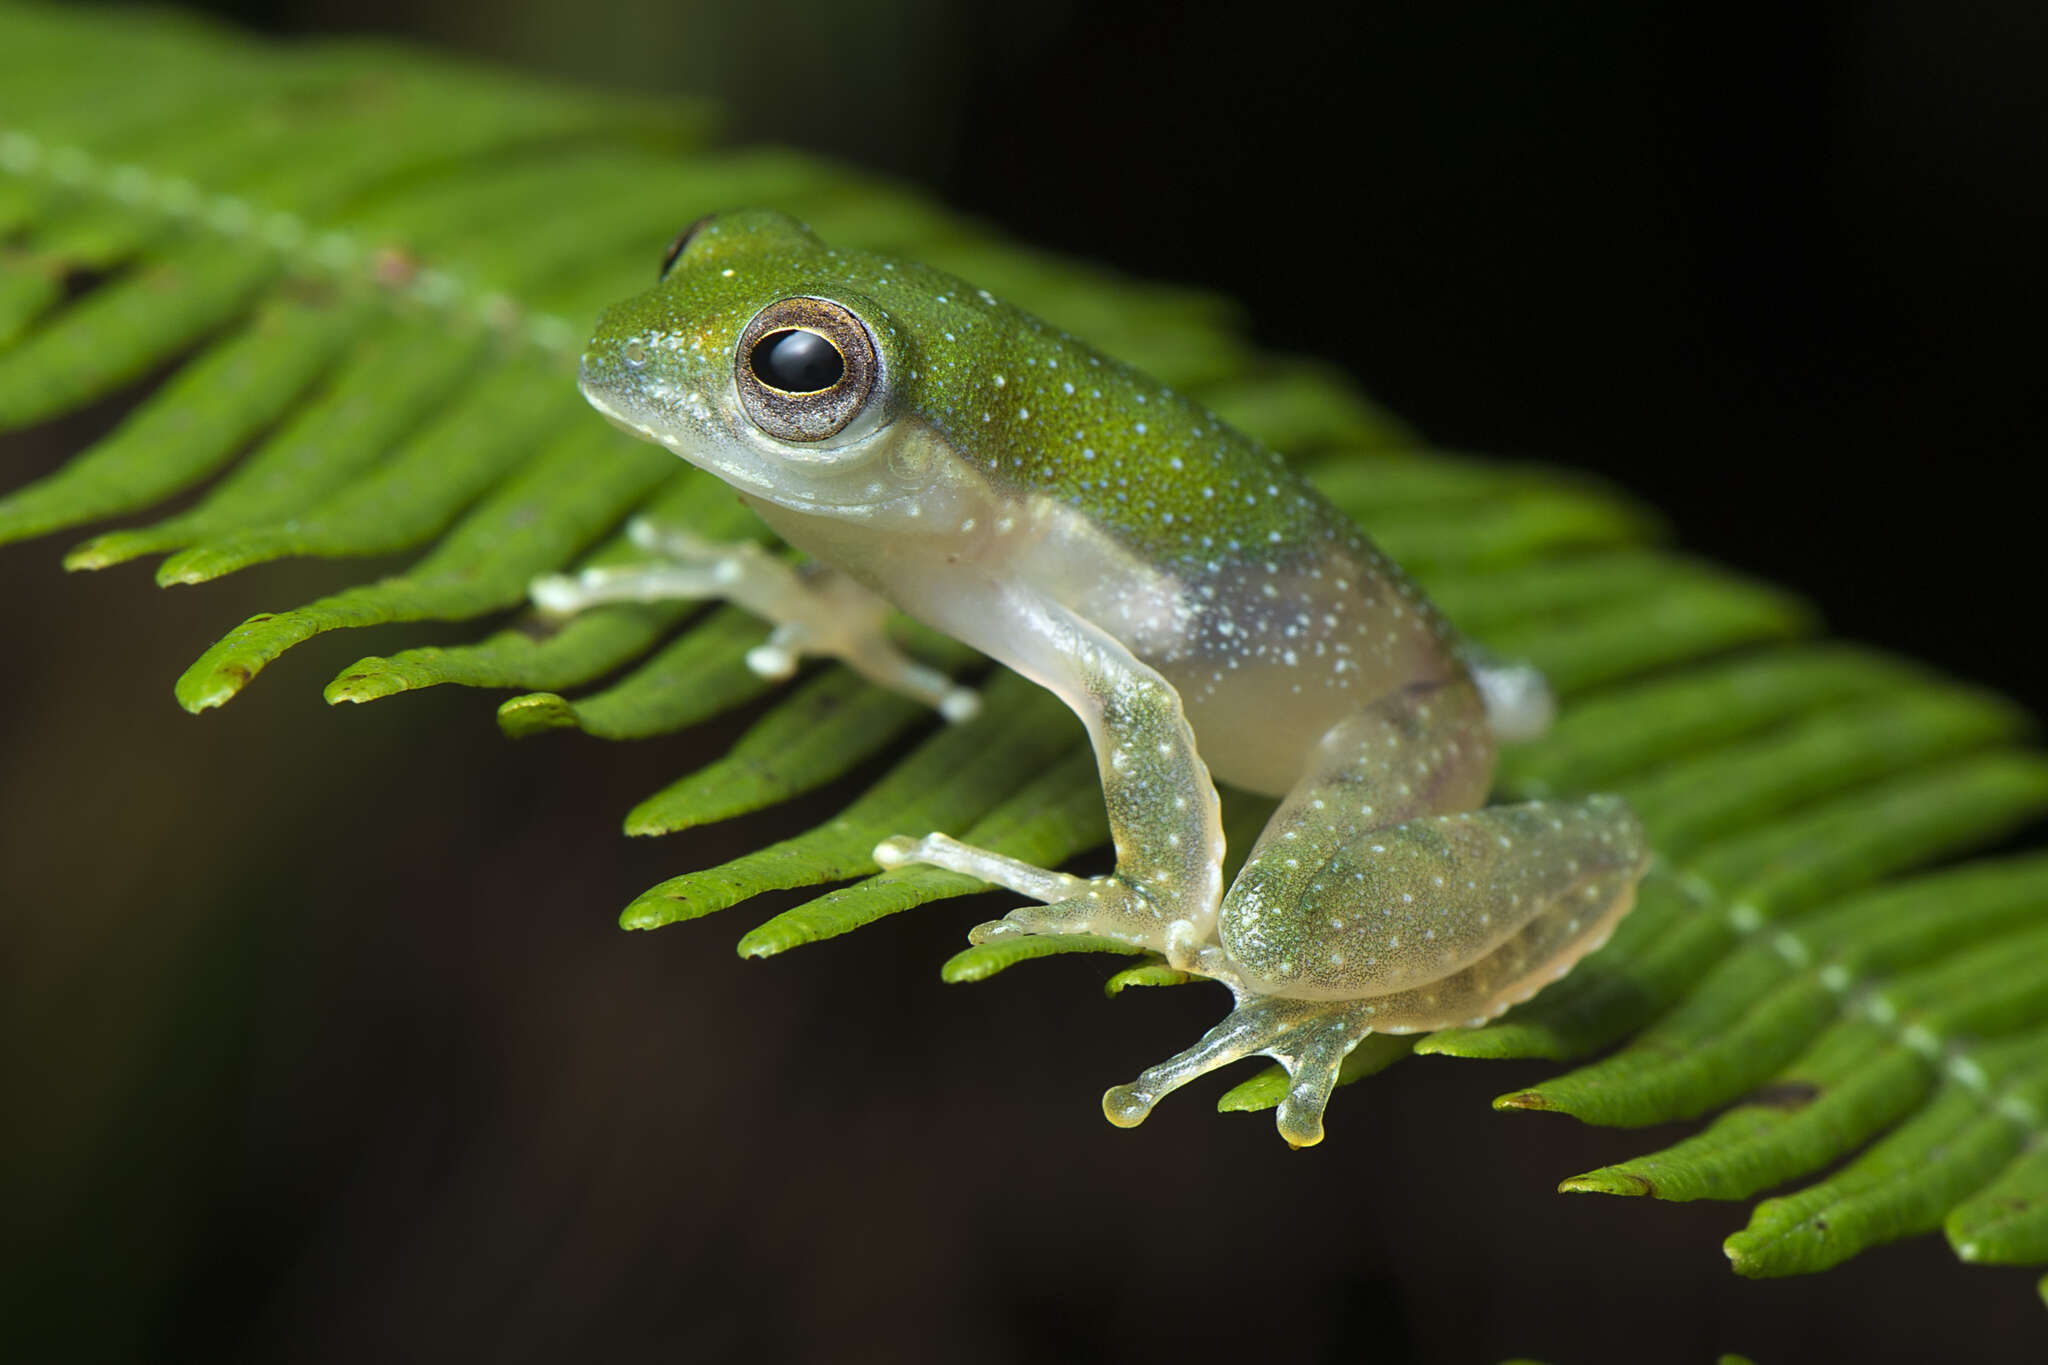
x,y
1545,883
823,613
1442,920
1310,1038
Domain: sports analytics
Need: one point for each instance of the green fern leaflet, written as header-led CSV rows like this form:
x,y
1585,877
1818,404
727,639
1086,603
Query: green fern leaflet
x,y
363,276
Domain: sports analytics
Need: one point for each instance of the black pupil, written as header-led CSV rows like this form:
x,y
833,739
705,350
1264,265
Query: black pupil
x,y
797,362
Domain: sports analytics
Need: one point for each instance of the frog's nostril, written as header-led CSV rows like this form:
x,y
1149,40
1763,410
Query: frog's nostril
x,y
634,353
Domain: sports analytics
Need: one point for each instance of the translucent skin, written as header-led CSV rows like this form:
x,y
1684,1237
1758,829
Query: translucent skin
x,y
1202,609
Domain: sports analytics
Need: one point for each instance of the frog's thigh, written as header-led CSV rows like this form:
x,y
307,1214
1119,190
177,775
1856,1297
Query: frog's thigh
x,y
826,614
1443,920
1164,818
1423,750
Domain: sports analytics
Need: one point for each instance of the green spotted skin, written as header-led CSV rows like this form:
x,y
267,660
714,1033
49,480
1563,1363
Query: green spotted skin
x,y
1035,409
1201,608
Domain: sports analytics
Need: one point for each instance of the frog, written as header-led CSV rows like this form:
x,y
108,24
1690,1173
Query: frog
x,y
1204,611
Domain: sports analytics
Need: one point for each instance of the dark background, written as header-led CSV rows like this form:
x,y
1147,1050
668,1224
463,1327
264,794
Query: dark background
x,y
325,1046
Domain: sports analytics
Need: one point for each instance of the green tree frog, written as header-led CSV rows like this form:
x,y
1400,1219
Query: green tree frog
x,y
1202,609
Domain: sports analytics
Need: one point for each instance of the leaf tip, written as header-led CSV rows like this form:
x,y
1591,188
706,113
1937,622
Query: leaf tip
x,y
1609,1180
203,688
370,679
649,911
534,713
1523,1099
1154,973
757,944
1262,1092
647,820
93,555
190,566
969,964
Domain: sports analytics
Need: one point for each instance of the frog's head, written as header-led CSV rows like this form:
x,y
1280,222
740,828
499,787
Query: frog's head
x,y
755,359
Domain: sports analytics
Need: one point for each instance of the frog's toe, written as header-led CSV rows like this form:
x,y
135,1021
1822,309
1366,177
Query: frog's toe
x,y
1105,906
669,540
1310,1038
941,850
1069,916
772,661
1312,1063
556,592
960,704
1127,1106
1300,1117
1247,1030
896,850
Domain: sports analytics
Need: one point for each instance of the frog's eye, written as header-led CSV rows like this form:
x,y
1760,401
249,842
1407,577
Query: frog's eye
x,y
805,368
680,245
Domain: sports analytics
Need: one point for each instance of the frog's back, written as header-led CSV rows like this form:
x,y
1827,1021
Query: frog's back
x,y
1201,550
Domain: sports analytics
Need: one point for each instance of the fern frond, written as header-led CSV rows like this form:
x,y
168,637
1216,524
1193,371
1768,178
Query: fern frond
x,y
360,277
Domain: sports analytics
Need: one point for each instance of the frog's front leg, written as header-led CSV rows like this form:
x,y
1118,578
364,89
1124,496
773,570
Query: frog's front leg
x,y
822,612
1164,819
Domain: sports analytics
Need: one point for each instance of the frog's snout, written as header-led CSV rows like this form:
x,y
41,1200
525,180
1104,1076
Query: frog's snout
x,y
588,383
605,380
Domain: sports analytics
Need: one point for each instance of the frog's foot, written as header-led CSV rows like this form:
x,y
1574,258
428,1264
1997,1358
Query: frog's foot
x,y
1109,906
1311,1038
824,613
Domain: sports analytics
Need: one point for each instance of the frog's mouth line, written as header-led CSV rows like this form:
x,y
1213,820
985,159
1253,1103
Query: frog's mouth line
x,y
594,395
619,419
599,396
